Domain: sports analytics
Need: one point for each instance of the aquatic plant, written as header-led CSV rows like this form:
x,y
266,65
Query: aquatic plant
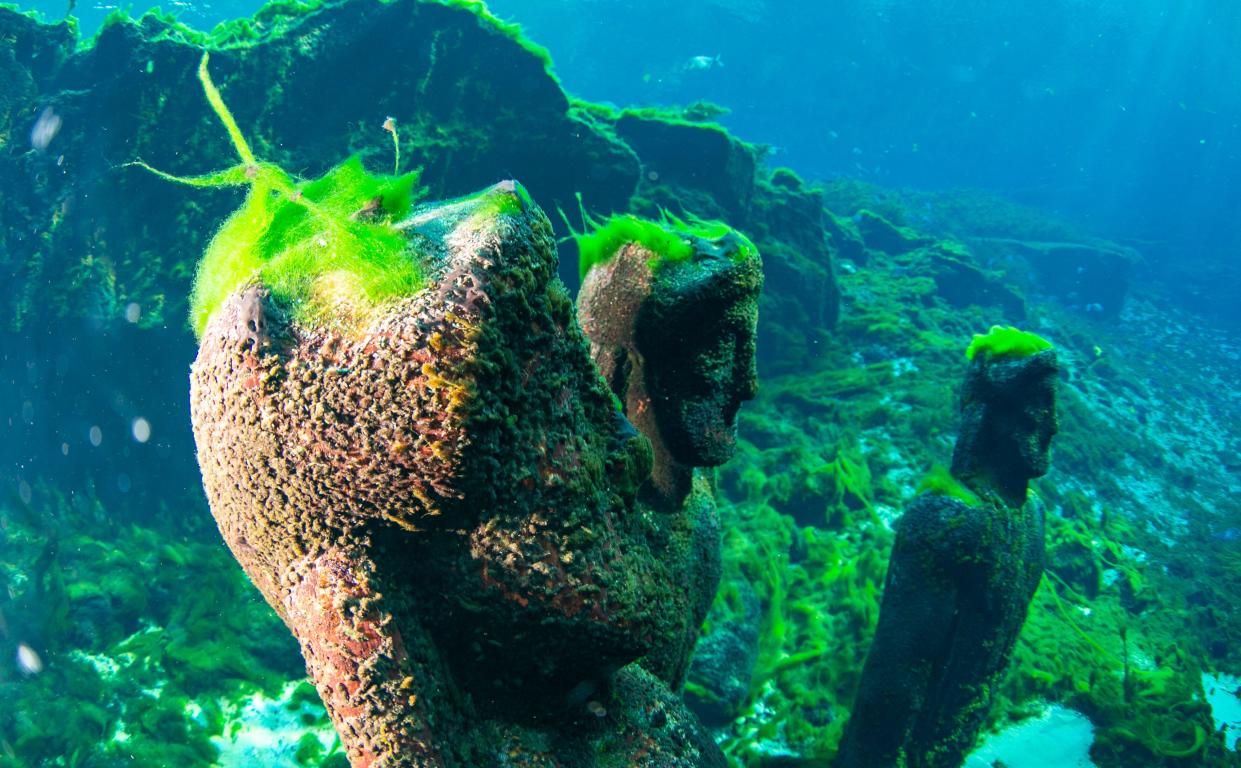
x,y
670,238
147,668
1003,341
324,247
939,480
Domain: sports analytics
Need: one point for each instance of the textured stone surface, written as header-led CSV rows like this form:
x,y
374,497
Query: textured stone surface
x,y
441,508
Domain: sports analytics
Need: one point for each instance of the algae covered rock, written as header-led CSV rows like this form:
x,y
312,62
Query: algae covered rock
x,y
882,235
1092,276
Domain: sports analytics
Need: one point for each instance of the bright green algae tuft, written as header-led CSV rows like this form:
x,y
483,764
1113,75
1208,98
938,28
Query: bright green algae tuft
x,y
1003,341
940,481
324,248
324,242
670,238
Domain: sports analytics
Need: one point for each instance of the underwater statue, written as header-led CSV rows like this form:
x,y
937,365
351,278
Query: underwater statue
x,y
967,559
437,494
675,340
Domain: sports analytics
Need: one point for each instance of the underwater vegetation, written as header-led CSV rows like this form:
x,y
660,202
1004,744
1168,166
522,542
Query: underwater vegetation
x,y
1102,633
140,666
871,295
301,238
670,238
1005,342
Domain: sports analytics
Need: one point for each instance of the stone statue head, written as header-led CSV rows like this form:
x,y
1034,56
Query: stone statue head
x,y
1008,420
675,340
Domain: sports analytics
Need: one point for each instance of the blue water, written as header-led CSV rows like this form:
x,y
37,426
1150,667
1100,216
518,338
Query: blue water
x,y
1124,115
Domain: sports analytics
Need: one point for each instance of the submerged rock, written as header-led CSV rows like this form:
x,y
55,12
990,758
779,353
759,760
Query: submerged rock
x,y
960,282
1092,277
879,234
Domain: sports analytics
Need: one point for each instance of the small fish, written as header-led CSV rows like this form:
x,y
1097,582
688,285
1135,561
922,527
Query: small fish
x,y
45,129
703,63
28,661
1094,307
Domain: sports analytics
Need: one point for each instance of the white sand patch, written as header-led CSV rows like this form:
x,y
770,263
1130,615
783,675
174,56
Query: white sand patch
x,y
1059,738
264,733
1222,693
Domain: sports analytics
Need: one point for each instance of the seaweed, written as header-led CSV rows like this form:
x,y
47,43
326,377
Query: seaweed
x,y
1003,341
316,245
939,480
670,238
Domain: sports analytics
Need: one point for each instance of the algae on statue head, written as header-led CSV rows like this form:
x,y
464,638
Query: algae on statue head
x,y
1003,341
670,239
326,249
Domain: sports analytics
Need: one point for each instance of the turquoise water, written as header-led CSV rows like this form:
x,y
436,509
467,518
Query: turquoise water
x,y
911,174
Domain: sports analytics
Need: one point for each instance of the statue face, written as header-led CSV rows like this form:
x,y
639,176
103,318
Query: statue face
x,y
1025,432
698,377
696,334
1019,414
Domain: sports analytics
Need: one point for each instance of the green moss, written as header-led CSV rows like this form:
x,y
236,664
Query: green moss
x,y
511,30
269,21
1003,341
940,481
670,239
325,248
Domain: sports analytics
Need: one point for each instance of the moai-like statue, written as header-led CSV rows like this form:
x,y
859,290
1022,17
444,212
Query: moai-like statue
x,y
674,339
967,559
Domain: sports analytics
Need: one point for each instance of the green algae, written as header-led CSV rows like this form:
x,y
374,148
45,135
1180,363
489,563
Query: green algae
x,y
1003,341
670,239
511,30
148,654
276,17
605,238
323,247
940,481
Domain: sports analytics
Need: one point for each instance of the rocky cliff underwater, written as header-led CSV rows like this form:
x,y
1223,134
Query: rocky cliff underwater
x,y
131,637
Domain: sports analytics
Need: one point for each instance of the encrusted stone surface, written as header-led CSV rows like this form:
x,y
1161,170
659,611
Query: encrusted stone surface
x,y
441,507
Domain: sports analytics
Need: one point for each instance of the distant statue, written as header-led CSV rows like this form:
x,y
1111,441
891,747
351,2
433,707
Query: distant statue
x,y
440,501
675,340
965,564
